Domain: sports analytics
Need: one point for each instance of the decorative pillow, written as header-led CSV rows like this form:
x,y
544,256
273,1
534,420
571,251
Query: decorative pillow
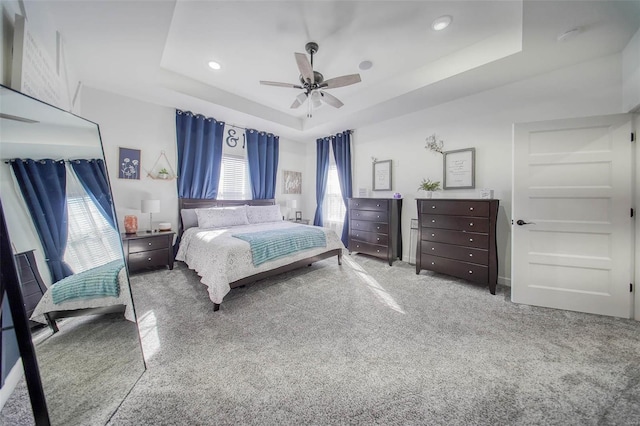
x,y
222,217
262,214
189,218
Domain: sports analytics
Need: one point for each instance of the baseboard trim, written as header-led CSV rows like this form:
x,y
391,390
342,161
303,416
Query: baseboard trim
x,y
504,281
10,383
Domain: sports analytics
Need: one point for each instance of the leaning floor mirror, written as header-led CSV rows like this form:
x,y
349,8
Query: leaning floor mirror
x,y
68,256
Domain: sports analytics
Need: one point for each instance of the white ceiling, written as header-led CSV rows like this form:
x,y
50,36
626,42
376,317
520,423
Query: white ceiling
x,y
158,51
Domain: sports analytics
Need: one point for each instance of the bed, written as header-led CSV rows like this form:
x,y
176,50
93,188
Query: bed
x,y
224,260
47,311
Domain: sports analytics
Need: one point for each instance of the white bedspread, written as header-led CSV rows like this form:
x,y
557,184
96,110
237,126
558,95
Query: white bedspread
x,y
46,303
221,259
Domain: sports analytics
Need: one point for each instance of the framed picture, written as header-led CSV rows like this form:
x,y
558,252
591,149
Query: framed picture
x,y
129,163
459,169
292,182
298,216
382,175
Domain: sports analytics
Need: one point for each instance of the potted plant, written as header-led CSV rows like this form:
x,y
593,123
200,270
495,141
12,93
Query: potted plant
x,y
163,173
428,186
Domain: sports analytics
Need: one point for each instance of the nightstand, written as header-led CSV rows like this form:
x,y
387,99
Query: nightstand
x,y
148,250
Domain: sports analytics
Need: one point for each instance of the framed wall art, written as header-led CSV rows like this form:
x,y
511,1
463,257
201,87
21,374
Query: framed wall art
x,y
129,163
382,175
292,182
459,169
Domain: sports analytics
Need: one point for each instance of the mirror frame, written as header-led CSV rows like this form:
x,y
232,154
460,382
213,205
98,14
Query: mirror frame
x,y
11,286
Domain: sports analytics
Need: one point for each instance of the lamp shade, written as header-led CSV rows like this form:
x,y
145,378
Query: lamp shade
x,y
150,206
293,204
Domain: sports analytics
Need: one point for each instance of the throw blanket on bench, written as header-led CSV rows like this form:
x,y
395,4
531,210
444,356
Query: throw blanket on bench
x,y
269,245
96,282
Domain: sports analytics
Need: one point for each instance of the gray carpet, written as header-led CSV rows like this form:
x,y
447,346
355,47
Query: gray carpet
x,y
366,343
87,369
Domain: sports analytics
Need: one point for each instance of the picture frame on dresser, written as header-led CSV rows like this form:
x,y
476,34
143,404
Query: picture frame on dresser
x,y
459,169
382,175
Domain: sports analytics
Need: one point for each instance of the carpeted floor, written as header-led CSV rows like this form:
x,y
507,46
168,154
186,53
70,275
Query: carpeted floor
x,y
87,369
366,343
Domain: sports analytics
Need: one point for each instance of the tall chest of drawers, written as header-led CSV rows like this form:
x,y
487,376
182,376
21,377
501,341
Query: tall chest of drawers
x,y
458,237
374,227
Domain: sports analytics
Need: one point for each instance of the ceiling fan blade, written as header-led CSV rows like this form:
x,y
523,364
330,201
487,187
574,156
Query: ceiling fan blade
x,y
331,100
299,100
341,81
305,67
275,83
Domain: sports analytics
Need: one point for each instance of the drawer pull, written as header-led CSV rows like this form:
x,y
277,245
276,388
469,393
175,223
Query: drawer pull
x,y
378,239
433,248
471,224
377,205
149,259
377,227
433,263
470,254
433,235
471,272
471,208
378,216
378,251
471,239
433,221
149,243
433,207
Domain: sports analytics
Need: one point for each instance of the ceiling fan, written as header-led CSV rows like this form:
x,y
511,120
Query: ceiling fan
x,y
313,83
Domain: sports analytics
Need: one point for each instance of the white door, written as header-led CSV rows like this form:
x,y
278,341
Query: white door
x,y
572,189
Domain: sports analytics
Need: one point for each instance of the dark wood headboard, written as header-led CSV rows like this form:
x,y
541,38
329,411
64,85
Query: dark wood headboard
x,y
199,203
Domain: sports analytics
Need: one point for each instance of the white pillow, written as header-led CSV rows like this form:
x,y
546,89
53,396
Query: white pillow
x,y
222,217
189,218
262,214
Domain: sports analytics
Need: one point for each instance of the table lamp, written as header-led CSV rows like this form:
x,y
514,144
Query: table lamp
x,y
150,206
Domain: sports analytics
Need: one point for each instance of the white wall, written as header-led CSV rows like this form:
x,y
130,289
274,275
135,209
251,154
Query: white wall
x,y
483,121
129,123
631,74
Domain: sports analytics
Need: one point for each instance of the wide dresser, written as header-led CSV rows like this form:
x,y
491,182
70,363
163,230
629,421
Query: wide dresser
x,y
374,227
457,237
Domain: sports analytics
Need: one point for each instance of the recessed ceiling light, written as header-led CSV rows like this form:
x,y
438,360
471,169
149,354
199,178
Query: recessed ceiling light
x,y
214,65
569,34
365,65
441,23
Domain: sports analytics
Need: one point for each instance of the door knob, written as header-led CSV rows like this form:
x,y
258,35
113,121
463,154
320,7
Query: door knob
x,y
522,222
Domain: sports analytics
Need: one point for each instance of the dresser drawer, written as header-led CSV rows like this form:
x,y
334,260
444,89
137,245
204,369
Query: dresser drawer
x,y
146,244
456,268
370,237
466,254
454,207
460,223
147,259
371,215
367,248
361,225
468,239
364,204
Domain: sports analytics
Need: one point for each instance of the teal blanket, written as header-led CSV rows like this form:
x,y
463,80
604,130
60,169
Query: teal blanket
x,y
273,244
96,282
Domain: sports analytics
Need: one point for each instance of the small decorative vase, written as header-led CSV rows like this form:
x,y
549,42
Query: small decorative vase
x,y
428,194
130,224
163,176
397,195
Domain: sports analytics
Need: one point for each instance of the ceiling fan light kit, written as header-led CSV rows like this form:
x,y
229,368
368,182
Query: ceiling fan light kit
x,y
313,83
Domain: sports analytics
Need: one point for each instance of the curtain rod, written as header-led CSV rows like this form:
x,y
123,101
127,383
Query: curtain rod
x,y
8,161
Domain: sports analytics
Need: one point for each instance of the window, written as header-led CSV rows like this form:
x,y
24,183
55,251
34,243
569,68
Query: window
x,y
88,231
333,206
234,179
